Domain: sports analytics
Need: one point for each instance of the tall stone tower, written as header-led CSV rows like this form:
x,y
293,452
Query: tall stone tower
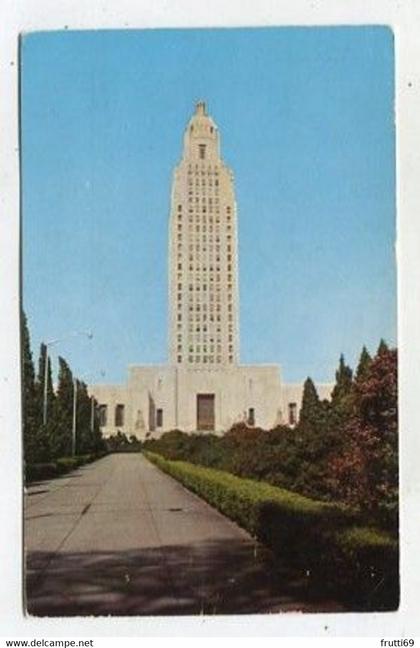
x,y
203,388
203,285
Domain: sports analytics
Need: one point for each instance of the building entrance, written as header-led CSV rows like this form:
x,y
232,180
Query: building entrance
x,y
205,412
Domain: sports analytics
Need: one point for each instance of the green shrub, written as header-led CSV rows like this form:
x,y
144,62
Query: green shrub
x,y
119,442
367,560
247,501
40,471
64,464
319,538
85,459
61,466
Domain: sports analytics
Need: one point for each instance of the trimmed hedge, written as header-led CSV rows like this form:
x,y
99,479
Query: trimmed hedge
x,y
358,564
61,466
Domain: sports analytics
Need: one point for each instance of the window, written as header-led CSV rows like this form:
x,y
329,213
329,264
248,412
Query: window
x,y
102,415
202,151
159,418
292,413
119,415
251,416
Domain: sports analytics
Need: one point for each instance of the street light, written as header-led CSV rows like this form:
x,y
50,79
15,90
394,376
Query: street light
x,y
73,431
48,344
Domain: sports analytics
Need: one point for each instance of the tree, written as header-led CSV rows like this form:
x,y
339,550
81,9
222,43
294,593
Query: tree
x,y
365,472
343,382
35,439
45,396
364,364
382,348
310,410
86,437
62,434
341,395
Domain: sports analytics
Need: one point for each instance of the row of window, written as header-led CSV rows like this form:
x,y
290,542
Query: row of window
x,y
200,216
195,308
212,280
118,415
205,199
199,185
197,280
203,268
190,318
197,348
214,345
201,257
211,339
213,294
201,197
211,327
202,226
119,411
200,304
200,252
202,236
198,320
203,169
196,213
196,237
213,289
200,244
204,359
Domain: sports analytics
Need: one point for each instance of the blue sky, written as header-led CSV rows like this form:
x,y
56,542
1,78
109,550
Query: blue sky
x,y
307,124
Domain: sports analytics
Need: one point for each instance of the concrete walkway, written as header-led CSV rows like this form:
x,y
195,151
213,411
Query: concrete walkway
x,y
120,537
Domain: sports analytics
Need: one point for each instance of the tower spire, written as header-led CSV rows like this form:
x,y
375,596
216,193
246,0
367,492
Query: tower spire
x,y
203,284
200,108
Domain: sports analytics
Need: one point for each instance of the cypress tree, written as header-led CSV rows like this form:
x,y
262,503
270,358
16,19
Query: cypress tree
x,y
31,419
382,348
364,364
40,386
84,434
64,419
343,382
309,413
99,444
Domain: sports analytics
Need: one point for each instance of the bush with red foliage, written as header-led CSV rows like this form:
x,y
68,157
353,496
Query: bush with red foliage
x,y
364,473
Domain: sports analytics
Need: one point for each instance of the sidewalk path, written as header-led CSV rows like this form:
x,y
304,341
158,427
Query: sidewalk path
x,y
120,537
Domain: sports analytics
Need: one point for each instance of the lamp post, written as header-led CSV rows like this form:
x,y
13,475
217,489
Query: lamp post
x,y
73,432
47,345
92,413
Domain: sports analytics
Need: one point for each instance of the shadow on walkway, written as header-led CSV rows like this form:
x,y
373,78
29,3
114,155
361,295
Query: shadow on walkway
x,y
204,578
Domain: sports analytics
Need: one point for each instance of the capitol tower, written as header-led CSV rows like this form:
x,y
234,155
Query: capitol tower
x,y
203,286
203,388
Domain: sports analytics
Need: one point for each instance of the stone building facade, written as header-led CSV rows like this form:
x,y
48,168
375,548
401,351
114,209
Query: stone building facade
x,y
204,387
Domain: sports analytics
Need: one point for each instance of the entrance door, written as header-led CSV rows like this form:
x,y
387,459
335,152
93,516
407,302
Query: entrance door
x,y
205,412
